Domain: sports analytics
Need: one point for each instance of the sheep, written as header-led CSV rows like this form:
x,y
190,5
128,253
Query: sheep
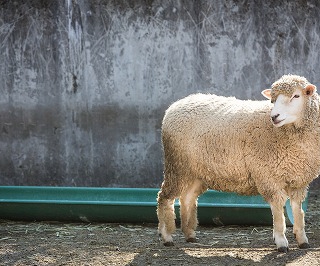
x,y
271,148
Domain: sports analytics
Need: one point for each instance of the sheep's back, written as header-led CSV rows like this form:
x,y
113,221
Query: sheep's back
x,y
201,114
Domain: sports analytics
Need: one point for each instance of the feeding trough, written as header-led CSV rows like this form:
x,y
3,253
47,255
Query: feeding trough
x,y
126,205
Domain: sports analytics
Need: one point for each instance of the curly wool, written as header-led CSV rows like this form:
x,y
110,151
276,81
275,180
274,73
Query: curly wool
x,y
286,85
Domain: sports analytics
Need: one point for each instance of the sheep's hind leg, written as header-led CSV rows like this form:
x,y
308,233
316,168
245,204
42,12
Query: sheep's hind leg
x,y
298,216
166,217
188,209
279,225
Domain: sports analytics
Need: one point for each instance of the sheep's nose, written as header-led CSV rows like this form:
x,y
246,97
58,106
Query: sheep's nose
x,y
274,117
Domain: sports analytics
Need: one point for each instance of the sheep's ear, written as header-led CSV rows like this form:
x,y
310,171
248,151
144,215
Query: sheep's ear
x,y
267,93
310,89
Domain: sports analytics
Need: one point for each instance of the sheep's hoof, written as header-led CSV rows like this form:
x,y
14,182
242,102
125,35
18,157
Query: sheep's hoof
x,y
168,244
304,246
283,249
192,240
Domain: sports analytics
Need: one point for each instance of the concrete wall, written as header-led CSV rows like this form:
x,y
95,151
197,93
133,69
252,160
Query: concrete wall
x,y
84,84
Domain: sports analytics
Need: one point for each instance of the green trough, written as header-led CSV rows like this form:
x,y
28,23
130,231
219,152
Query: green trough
x,y
126,205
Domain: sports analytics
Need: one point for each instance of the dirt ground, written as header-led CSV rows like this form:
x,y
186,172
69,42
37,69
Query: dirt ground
x,y
43,243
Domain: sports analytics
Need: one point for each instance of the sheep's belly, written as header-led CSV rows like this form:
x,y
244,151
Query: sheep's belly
x,y
241,185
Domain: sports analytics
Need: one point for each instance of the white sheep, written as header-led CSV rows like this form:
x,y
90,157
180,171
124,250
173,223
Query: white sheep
x,y
247,147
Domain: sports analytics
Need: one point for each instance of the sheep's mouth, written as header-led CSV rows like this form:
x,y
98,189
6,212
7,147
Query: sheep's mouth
x,y
277,122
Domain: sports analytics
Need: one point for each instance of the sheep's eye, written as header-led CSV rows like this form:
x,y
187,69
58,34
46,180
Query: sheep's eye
x,y
296,96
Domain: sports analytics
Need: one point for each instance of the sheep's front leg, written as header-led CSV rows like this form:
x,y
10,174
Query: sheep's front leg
x,y
298,216
279,226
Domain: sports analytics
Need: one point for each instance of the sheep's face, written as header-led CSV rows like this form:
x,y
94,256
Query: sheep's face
x,y
287,109
289,104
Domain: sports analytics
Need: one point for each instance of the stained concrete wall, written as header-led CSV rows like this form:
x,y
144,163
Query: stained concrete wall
x,y
84,84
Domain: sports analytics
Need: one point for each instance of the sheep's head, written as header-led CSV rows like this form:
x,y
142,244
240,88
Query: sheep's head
x,y
294,101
